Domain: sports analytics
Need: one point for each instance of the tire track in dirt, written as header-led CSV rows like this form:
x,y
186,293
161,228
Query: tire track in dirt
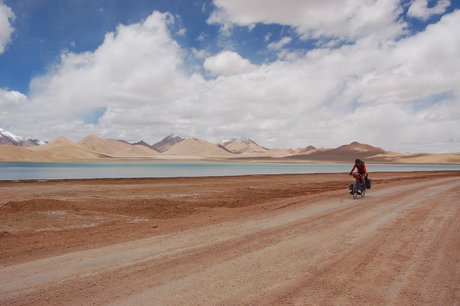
x,y
275,267
266,258
409,260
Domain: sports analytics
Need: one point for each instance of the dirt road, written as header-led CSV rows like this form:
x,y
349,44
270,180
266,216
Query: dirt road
x,y
400,245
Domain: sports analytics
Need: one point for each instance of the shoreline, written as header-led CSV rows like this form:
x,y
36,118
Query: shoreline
x,y
236,160
220,177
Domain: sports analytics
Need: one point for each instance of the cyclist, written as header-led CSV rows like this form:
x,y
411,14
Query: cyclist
x,y
362,172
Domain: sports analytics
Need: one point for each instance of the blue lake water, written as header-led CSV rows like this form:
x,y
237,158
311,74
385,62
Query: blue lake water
x,y
38,170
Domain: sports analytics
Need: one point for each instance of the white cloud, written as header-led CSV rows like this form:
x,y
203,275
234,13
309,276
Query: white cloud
x,y
181,32
135,73
419,66
11,104
13,110
349,20
267,36
6,17
401,95
377,93
11,97
277,45
200,53
228,63
132,62
202,37
420,9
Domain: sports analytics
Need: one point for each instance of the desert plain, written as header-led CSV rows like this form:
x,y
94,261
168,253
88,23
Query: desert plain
x,y
243,240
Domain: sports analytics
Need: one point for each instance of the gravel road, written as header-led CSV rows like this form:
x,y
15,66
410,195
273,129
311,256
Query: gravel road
x,y
399,245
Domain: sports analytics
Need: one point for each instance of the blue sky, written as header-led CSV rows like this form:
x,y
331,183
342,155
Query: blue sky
x,y
44,28
287,74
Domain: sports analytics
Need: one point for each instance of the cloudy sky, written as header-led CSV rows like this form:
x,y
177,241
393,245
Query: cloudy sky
x,y
286,73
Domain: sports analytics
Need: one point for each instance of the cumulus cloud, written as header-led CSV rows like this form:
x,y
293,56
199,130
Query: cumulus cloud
x,y
420,9
12,105
401,95
228,63
349,20
380,93
11,97
6,17
134,74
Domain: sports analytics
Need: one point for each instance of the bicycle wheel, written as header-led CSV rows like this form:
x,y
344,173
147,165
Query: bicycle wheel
x,y
355,190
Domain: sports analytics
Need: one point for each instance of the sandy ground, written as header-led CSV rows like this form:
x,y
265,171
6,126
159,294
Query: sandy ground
x,y
257,240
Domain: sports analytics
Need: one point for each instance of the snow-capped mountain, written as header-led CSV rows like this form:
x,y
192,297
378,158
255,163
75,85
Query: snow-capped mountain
x,y
11,139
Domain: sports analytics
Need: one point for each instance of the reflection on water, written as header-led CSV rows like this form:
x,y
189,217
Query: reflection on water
x,y
37,170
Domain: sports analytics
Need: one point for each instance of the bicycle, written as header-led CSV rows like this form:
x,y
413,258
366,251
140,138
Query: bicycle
x,y
359,181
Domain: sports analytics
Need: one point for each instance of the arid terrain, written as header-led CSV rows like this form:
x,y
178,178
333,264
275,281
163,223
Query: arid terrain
x,y
250,240
96,149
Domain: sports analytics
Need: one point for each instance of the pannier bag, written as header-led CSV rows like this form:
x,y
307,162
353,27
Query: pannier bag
x,y
368,183
360,188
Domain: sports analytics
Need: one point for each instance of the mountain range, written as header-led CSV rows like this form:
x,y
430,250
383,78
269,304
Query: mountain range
x,y
172,147
11,139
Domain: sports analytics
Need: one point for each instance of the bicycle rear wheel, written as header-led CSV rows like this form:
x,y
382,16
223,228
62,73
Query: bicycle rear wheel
x,y
363,191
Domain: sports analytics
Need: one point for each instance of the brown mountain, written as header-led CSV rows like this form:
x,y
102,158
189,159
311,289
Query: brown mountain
x,y
115,148
243,145
166,143
416,158
56,142
93,147
305,150
345,153
62,148
143,143
195,147
348,153
16,153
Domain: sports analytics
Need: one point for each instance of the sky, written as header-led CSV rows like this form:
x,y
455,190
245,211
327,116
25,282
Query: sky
x,y
286,74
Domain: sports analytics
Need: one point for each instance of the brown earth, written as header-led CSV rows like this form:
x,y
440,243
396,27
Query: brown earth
x,y
258,240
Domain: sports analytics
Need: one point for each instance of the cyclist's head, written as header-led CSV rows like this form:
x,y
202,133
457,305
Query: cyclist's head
x,y
358,161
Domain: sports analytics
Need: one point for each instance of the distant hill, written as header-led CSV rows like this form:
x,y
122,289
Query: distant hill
x,y
166,143
143,143
348,153
242,145
20,154
195,147
62,148
345,153
94,147
115,148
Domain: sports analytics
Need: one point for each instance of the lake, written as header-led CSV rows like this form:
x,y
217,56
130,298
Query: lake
x,y
47,170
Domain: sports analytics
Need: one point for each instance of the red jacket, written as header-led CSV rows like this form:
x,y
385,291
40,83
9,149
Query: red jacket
x,y
361,168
